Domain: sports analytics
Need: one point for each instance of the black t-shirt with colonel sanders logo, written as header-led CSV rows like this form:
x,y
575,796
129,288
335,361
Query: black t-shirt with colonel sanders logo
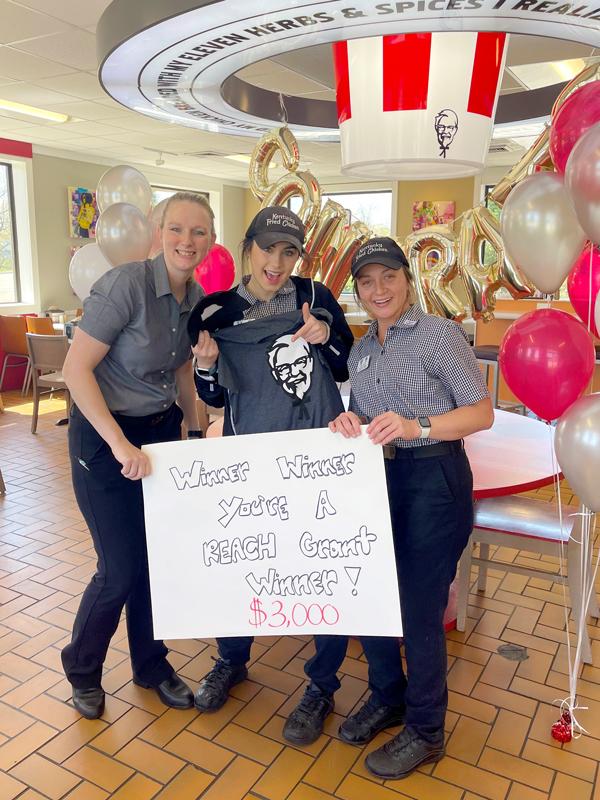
x,y
291,380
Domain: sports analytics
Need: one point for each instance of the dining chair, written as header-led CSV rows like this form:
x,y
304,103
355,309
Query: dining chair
x,y
40,325
47,354
530,526
14,345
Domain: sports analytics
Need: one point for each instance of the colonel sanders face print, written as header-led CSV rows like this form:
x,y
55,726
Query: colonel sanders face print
x,y
291,365
446,125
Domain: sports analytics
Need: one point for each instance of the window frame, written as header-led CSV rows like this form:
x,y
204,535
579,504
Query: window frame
x,y
13,231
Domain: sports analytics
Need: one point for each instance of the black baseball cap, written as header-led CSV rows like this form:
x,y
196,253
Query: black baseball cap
x,y
276,224
380,250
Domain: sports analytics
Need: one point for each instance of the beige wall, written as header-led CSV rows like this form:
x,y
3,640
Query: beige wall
x,y
52,176
461,190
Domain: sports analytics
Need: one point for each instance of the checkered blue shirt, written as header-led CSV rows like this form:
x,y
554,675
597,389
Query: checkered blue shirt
x,y
425,367
283,301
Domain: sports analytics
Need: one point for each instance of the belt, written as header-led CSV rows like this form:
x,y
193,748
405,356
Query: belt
x,y
392,452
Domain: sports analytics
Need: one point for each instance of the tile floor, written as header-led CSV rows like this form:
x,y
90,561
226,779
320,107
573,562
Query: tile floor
x,y
500,711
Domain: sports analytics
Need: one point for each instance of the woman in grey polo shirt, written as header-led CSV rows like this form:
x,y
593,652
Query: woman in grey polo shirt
x,y
128,364
416,384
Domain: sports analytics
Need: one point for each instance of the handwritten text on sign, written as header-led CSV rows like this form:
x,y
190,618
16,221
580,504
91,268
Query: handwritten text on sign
x,y
270,533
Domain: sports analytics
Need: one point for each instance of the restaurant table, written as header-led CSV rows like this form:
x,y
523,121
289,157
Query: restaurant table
x,y
514,455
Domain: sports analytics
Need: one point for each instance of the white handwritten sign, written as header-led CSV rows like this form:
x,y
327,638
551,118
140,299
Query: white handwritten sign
x,y
269,534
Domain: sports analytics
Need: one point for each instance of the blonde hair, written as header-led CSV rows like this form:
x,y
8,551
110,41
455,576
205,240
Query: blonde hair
x,y
190,197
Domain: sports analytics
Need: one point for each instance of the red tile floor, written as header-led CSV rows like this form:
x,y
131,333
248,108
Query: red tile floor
x,y
500,712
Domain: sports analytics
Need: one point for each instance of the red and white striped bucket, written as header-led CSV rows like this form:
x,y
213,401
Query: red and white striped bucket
x,y
418,105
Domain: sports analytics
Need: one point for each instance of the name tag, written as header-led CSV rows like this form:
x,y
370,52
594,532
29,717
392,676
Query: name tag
x,y
363,364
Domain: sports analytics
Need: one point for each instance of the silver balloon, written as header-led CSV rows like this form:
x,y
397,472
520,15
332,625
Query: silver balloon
x,y
124,184
124,234
582,179
87,265
577,444
540,230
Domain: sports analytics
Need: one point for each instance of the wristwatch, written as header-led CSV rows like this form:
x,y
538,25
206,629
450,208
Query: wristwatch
x,y
425,425
195,434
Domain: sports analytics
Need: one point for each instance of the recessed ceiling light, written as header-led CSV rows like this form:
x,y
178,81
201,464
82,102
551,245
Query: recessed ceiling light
x,y
32,111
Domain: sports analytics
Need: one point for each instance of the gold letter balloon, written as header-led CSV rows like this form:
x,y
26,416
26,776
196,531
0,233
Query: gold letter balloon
x,y
441,257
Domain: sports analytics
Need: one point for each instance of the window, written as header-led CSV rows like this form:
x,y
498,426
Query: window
x,y
372,208
10,291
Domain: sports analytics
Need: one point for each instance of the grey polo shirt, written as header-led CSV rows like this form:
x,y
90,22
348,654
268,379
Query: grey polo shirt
x,y
131,308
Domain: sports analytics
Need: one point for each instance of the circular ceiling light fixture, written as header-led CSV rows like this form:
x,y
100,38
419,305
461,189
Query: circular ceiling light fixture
x,y
180,65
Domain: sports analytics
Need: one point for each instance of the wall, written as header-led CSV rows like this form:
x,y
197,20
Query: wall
x,y
461,190
51,177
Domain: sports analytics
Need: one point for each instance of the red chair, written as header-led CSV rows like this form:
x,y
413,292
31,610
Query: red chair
x,y
13,342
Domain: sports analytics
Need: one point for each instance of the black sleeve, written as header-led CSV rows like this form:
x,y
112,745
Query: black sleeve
x,y
210,392
337,348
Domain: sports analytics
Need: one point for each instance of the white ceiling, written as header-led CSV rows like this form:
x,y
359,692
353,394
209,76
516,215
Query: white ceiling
x,y
48,59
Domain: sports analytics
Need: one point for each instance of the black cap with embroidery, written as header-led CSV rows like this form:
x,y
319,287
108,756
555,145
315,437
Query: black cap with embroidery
x,y
276,224
380,250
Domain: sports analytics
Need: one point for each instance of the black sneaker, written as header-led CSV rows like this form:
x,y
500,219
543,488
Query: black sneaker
x,y
363,726
305,724
214,689
403,754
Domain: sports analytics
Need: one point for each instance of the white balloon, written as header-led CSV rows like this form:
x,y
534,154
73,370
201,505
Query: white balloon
x,y
124,234
123,184
540,230
87,265
582,179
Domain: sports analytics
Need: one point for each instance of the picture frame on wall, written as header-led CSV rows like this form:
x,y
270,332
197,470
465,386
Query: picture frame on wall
x,y
432,212
83,212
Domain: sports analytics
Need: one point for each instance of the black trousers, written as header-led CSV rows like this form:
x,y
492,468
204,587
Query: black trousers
x,y
431,509
113,509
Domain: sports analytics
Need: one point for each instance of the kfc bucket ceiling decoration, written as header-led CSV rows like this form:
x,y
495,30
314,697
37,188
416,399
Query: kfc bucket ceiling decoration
x,y
417,105
178,61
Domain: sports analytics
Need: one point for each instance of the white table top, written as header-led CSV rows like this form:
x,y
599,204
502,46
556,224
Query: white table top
x,y
514,455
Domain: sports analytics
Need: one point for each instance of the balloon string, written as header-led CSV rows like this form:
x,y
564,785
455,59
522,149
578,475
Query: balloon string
x,y
589,322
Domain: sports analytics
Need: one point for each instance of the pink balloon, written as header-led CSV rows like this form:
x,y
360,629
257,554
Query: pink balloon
x,y
216,271
547,359
582,293
579,112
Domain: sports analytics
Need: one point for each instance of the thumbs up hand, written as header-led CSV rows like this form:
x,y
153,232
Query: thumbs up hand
x,y
314,331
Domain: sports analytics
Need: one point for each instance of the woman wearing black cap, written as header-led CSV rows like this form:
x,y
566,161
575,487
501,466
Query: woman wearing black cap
x,y
277,374
416,384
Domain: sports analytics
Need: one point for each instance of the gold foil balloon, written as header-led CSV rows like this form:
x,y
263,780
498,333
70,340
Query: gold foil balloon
x,y
537,157
297,184
433,275
278,140
481,280
338,259
320,236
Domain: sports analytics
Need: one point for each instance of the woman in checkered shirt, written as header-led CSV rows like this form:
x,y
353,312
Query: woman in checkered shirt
x,y
416,384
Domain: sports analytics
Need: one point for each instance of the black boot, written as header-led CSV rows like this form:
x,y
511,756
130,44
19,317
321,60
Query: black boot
x,y
403,754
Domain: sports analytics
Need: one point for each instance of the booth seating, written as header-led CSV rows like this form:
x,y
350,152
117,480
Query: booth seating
x,y
47,354
532,526
14,345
